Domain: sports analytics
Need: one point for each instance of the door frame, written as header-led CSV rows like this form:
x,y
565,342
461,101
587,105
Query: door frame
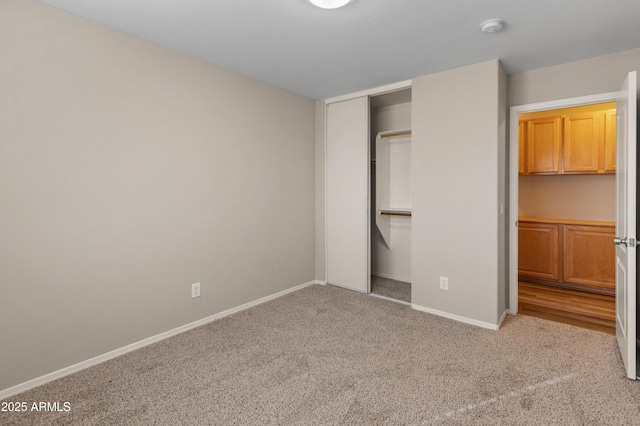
x,y
515,111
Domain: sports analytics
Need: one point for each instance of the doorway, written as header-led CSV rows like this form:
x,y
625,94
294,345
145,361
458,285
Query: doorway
x,y
390,195
626,286
626,212
567,212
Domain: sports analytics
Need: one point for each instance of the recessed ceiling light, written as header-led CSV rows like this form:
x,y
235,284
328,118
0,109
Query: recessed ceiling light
x,y
492,26
330,4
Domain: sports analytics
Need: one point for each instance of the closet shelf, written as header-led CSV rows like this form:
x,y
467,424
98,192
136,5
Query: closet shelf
x,y
394,134
395,212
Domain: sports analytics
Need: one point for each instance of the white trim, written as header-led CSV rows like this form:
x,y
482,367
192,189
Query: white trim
x,y
394,87
324,192
23,387
502,318
391,277
368,192
567,102
513,175
456,317
319,282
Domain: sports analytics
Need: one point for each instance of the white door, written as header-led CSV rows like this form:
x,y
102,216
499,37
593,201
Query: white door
x,y
347,194
626,238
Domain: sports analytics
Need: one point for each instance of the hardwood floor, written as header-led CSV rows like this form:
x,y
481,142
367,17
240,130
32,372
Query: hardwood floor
x,y
587,310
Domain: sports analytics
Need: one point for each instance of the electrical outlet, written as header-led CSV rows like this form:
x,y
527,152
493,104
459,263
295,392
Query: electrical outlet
x,y
195,290
444,283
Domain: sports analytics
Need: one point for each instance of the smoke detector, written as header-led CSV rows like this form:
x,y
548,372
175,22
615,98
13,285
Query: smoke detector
x,y
492,26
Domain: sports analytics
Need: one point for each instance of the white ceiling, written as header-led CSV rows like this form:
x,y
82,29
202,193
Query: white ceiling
x,y
323,53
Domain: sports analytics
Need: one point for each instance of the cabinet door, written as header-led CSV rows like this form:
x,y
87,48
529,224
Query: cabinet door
x,y
522,135
589,256
543,146
583,144
538,250
610,141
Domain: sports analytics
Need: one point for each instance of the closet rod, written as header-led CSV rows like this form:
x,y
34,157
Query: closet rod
x,y
395,213
402,133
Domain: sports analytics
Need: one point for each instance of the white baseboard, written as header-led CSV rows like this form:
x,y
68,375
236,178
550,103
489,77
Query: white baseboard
x,y
391,277
457,317
38,381
320,282
502,318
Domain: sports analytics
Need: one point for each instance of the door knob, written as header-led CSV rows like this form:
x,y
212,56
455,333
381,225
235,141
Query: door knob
x,y
628,242
619,241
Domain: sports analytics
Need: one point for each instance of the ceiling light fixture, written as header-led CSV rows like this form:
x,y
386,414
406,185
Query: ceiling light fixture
x,y
492,26
330,4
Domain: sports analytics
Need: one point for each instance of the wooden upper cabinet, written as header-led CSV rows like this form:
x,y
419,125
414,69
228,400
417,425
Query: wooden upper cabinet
x,y
543,146
583,143
610,141
522,135
576,140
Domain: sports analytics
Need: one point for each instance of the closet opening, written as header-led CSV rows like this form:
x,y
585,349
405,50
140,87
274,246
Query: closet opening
x,y
567,214
390,195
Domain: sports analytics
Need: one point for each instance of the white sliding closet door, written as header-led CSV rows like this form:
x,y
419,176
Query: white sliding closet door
x,y
347,193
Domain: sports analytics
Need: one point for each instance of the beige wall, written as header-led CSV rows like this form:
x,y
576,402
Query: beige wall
x,y
579,197
456,191
587,77
127,173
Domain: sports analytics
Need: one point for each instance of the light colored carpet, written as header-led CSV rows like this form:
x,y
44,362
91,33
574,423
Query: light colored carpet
x,y
323,355
394,289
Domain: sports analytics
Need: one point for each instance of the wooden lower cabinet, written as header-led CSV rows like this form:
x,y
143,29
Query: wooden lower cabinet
x,y
538,250
590,256
579,255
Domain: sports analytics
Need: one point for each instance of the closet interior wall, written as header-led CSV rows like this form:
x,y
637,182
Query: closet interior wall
x,y
389,112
